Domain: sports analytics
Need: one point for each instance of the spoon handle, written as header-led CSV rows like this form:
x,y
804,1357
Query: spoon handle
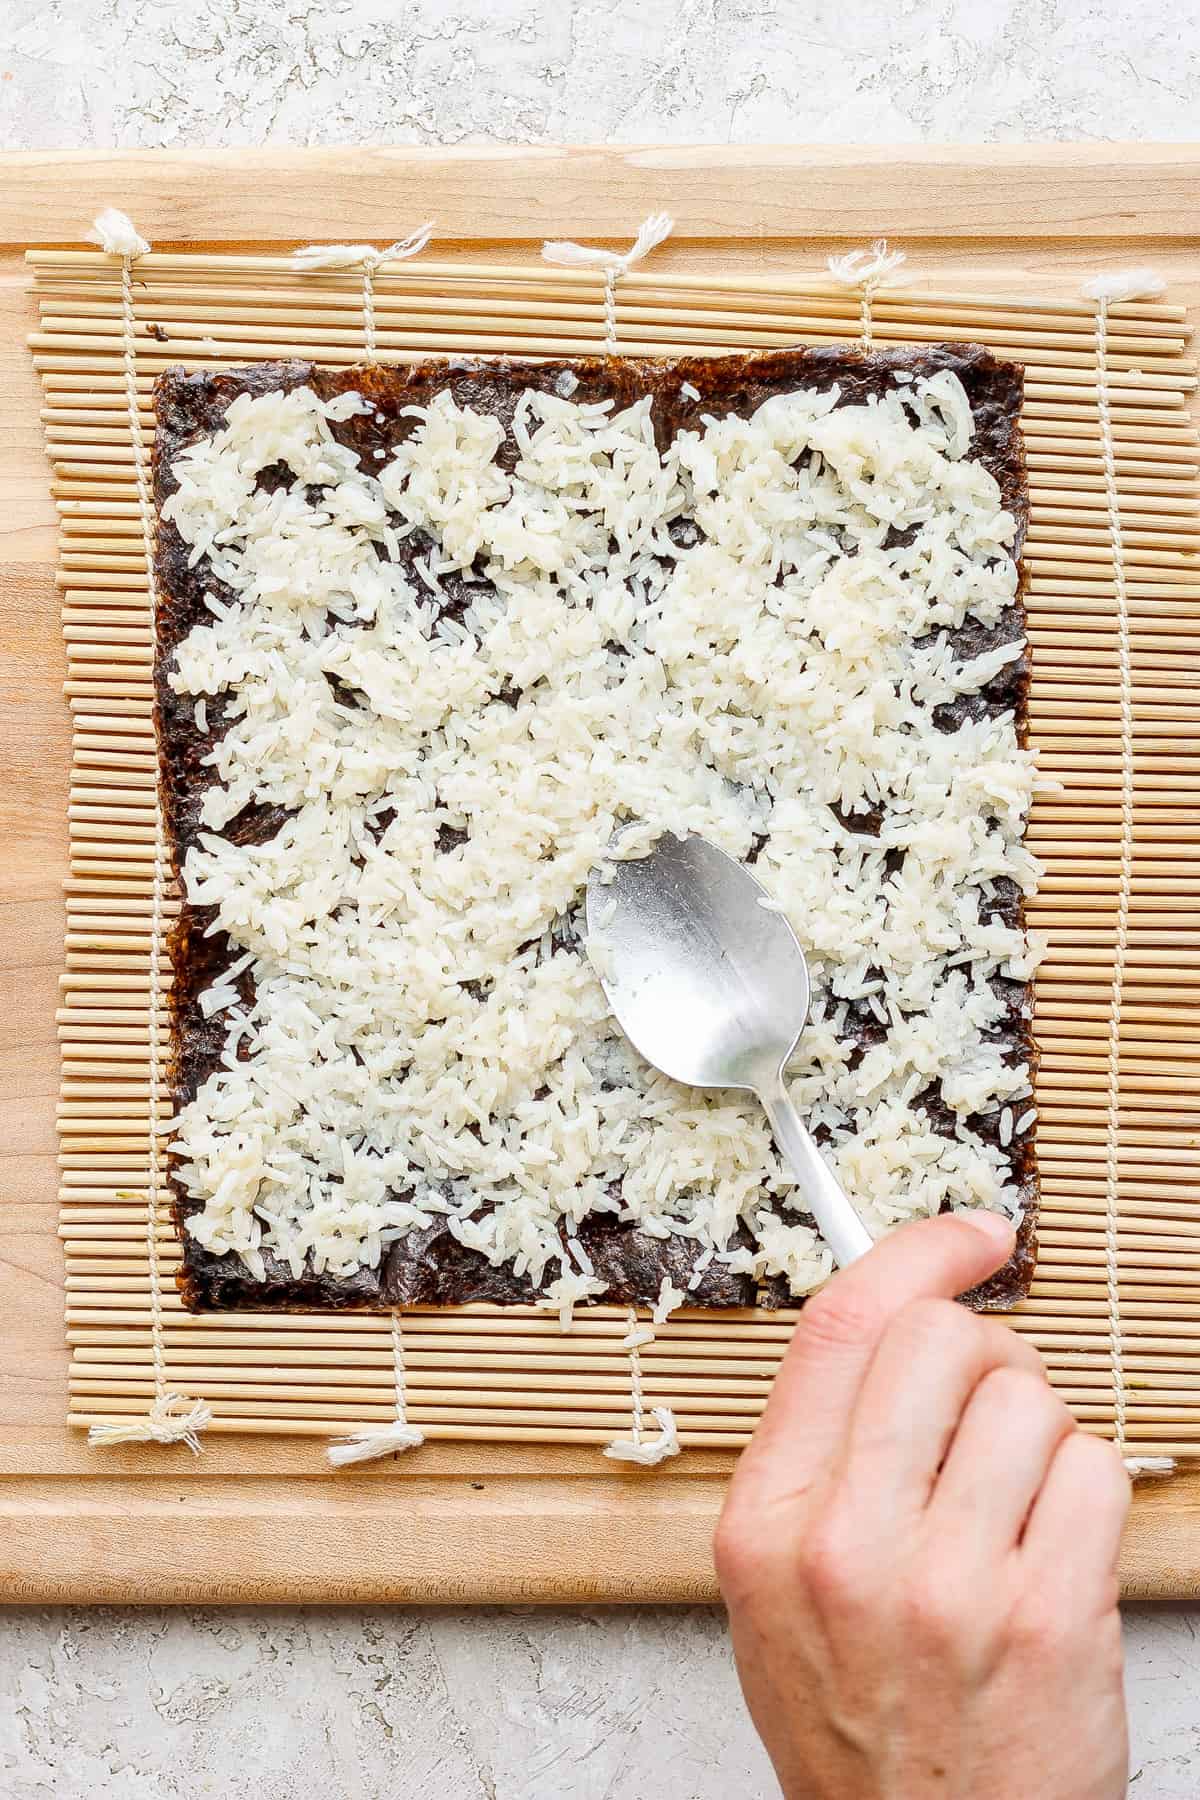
x,y
820,1190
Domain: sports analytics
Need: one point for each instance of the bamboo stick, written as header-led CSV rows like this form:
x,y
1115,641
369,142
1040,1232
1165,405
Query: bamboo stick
x,y
163,302
199,332
337,317
361,1355
92,266
216,344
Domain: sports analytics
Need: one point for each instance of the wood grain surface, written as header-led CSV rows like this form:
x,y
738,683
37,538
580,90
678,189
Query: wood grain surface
x,y
261,1520
487,192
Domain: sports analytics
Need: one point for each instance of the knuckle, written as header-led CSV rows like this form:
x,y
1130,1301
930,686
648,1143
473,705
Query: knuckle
x,y
1017,1390
1011,1350
831,1564
1105,1643
746,1558
1107,1640
1039,1627
835,1320
1100,1468
937,1318
936,1610
938,1325
732,1550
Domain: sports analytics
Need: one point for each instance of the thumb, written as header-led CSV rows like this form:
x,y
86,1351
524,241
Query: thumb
x,y
832,1346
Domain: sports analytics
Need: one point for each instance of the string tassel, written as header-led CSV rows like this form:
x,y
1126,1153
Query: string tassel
x,y
366,257
163,1424
653,232
365,1446
382,1440
648,1450
614,263
870,267
314,257
1124,284
638,1447
1149,1468
867,270
116,234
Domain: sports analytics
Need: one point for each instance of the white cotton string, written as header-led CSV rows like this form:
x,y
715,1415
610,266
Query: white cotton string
x,y
866,270
172,1419
1106,290
664,1440
382,1440
315,257
638,1447
615,263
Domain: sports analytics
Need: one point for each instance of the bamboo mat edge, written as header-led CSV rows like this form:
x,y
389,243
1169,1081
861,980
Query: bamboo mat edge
x,y
1157,346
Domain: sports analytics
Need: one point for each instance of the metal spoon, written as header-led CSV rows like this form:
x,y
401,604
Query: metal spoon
x,y
712,988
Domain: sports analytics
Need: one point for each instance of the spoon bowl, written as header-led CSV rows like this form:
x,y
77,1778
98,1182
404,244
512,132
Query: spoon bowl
x,y
708,981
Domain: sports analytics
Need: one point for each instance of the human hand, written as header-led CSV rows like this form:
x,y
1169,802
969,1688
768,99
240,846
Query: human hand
x,y
918,1549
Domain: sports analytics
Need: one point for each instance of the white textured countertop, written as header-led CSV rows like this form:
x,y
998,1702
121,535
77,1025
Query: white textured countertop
x,y
520,1704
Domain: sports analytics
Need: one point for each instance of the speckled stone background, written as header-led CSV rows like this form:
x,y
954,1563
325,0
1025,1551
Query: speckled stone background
x,y
520,1705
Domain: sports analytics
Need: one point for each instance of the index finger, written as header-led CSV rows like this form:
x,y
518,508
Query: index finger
x,y
833,1344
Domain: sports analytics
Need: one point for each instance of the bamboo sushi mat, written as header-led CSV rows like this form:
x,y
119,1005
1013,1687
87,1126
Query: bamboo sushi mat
x,y
1113,709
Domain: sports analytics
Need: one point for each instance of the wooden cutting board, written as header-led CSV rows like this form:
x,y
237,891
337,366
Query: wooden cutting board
x,y
260,1520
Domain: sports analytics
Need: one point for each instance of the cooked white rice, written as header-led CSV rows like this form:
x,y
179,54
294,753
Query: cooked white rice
x,y
424,1038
